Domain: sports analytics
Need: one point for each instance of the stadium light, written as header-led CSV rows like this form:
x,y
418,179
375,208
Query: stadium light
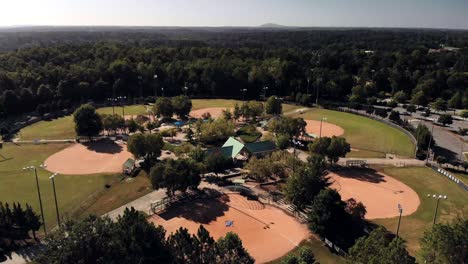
x,y
52,178
400,210
438,197
32,168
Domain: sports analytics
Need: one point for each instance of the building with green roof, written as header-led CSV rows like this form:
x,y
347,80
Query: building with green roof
x,y
235,149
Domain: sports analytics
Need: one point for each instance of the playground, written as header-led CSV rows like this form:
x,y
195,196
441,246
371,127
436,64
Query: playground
x,y
266,232
378,192
89,158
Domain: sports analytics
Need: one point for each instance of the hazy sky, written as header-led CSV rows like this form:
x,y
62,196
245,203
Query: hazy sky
x,y
350,13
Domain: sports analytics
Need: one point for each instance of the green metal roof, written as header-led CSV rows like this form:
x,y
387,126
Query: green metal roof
x,y
225,151
259,147
236,146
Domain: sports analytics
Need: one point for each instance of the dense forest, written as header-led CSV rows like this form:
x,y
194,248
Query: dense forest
x,y
51,69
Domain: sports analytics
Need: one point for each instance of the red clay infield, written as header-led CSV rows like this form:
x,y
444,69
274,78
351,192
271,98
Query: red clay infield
x,y
328,130
266,232
97,157
215,112
380,193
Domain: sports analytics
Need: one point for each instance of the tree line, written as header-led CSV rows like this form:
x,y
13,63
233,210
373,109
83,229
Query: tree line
x,y
52,77
132,239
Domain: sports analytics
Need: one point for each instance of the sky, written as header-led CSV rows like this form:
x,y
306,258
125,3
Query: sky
x,y
313,13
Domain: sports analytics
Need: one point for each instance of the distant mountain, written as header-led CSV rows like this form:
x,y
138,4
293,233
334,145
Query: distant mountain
x,y
273,25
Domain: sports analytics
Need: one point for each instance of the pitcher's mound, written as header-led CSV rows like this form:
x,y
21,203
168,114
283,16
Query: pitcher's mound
x,y
90,158
328,130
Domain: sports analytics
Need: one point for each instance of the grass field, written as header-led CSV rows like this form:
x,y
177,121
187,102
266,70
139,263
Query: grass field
x,y
63,127
425,181
322,253
17,185
371,137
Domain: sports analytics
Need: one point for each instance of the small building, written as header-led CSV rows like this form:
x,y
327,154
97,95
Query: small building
x,y
237,150
128,167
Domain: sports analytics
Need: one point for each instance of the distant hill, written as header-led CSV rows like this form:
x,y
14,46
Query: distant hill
x,y
273,25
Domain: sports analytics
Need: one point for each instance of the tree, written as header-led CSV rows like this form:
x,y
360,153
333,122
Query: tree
x,y
273,106
87,121
217,162
231,250
462,131
237,112
147,146
456,101
439,104
227,114
338,148
333,148
445,119
176,175
328,219
400,97
282,142
395,116
163,107
32,220
305,256
411,108
291,127
379,248
181,105
131,239
215,131
446,243
423,137
305,183
419,98
464,114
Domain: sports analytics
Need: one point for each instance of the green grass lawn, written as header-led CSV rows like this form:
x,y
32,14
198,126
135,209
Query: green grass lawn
x,y
425,181
372,137
17,185
322,253
60,128
63,127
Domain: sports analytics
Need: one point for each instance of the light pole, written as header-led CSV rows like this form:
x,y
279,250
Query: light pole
x,y
295,143
122,100
113,104
162,91
321,121
400,210
32,168
243,94
430,142
185,90
52,178
438,197
155,77
308,85
264,92
318,87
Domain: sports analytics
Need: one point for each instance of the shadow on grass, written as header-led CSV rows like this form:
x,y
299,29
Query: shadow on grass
x,y
104,147
201,211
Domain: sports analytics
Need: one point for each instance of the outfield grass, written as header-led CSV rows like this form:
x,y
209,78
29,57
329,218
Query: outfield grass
x,y
322,253
425,181
60,128
366,134
63,127
17,185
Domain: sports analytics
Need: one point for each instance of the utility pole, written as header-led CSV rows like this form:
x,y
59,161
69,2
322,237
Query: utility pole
x,y
32,168
155,77
321,121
